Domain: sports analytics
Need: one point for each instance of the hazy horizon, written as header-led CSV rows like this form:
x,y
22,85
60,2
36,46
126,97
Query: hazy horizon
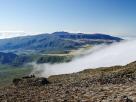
x,y
9,34
116,17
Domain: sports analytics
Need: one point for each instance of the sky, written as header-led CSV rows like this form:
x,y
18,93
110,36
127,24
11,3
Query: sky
x,y
117,17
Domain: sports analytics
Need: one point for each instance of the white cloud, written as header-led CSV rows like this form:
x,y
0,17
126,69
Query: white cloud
x,y
116,54
10,34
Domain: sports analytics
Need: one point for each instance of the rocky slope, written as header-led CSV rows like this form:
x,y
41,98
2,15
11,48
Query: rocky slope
x,y
113,84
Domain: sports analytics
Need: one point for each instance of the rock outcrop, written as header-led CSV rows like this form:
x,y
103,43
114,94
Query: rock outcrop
x,y
30,81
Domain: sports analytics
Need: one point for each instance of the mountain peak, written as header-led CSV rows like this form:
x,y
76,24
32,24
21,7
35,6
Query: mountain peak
x,y
61,33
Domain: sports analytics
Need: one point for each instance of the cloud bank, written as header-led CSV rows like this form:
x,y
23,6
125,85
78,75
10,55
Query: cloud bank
x,y
103,56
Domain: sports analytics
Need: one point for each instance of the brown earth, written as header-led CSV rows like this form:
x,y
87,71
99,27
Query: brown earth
x,y
113,84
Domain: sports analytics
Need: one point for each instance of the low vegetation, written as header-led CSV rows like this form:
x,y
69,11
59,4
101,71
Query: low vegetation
x,y
7,73
54,59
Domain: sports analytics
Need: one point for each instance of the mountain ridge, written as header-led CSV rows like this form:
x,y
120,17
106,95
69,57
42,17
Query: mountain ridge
x,y
55,41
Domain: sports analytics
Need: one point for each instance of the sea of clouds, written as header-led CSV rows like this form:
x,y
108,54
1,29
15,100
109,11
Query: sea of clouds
x,y
120,53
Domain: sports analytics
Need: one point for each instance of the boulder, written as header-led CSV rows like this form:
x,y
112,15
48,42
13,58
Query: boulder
x,y
30,81
16,81
125,99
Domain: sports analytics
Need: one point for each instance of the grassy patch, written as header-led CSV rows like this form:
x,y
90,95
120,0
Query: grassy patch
x,y
7,73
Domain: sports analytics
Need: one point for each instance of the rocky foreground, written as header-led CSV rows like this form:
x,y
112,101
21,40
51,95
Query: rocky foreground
x,y
113,84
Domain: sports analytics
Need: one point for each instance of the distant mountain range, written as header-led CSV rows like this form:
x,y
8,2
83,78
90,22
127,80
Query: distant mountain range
x,y
20,50
55,41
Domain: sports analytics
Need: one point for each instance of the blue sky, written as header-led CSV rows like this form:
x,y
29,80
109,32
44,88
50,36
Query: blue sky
x,y
89,16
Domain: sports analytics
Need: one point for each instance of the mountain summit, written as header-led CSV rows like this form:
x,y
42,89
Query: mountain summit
x,y
56,41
